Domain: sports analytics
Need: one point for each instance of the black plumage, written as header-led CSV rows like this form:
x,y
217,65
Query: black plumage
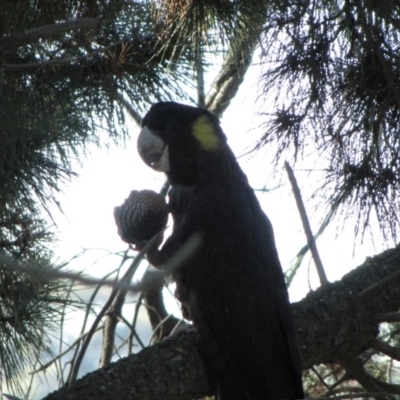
x,y
233,289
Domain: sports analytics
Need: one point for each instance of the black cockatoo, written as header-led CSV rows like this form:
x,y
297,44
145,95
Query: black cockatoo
x,y
233,289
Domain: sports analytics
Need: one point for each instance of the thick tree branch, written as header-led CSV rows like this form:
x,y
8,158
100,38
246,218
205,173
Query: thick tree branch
x,y
31,35
357,371
236,64
229,79
385,348
169,370
333,324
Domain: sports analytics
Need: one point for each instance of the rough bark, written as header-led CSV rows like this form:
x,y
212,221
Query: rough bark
x,y
335,322
236,64
169,370
339,320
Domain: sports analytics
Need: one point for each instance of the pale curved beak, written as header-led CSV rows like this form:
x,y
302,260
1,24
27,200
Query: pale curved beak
x,y
153,150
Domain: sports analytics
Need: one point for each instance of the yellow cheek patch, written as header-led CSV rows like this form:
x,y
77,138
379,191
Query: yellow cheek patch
x,y
204,132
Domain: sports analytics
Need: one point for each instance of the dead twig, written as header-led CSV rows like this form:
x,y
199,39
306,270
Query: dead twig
x,y
306,225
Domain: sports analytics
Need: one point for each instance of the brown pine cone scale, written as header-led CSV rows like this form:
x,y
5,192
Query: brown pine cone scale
x,y
143,214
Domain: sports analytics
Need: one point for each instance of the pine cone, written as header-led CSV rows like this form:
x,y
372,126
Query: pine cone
x,y
143,214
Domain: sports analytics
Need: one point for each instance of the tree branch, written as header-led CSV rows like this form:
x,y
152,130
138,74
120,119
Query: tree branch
x,y
358,372
236,64
333,324
385,348
31,35
162,322
306,225
114,311
169,370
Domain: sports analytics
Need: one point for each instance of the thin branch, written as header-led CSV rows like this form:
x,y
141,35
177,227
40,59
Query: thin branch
x,y
133,332
158,327
387,387
199,69
161,321
134,321
191,245
358,372
103,311
369,291
335,388
113,312
306,225
385,348
34,270
58,63
63,353
321,379
86,318
298,259
31,35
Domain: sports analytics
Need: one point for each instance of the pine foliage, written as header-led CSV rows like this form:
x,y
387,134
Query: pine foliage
x,y
335,68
